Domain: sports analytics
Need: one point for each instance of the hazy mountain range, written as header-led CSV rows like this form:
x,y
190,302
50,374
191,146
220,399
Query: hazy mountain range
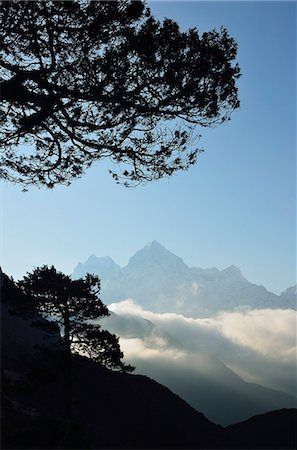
x,y
225,345
160,281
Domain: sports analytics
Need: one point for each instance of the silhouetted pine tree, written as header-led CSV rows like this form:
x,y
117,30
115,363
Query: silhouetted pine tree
x,y
74,305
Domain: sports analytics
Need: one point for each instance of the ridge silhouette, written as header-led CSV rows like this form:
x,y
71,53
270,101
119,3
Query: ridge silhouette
x,y
111,409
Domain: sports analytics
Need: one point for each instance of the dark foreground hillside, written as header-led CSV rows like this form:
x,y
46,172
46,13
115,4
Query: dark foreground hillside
x,y
110,409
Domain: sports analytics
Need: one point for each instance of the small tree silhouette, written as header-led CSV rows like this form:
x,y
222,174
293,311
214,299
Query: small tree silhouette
x,y
73,305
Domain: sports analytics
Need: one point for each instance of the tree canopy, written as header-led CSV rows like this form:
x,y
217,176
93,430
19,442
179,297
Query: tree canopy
x,y
83,81
74,305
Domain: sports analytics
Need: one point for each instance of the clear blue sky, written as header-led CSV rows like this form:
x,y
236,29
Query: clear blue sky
x,y
236,206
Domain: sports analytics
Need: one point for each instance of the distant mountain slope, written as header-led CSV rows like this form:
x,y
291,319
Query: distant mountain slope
x,y
288,297
275,429
222,396
160,281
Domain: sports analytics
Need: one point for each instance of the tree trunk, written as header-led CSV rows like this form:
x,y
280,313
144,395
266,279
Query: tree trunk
x,y
68,380
67,363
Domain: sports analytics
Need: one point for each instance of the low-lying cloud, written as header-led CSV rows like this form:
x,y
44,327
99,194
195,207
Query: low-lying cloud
x,y
259,345
270,332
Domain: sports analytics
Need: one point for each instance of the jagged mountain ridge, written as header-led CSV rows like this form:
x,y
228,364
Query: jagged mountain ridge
x,y
160,281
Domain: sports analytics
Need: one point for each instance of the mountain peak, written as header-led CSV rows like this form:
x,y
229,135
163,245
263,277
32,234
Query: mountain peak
x,y
93,259
155,254
232,271
155,245
103,266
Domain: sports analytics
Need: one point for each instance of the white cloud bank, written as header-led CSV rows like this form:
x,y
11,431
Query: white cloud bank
x,y
269,332
259,345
